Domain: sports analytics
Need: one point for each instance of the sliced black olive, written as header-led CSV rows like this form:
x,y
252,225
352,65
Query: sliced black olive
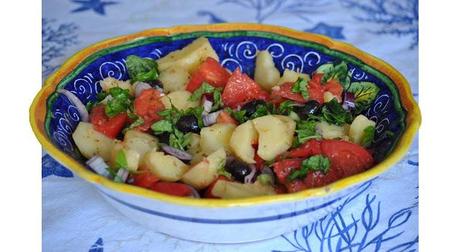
x,y
156,84
163,138
188,123
251,107
310,108
238,169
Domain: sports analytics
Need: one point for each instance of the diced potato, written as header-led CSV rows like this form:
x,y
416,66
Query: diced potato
x,y
165,167
189,57
174,78
233,190
275,136
179,99
357,127
291,76
132,156
330,131
243,137
204,173
140,142
194,149
215,137
111,82
91,142
290,123
266,74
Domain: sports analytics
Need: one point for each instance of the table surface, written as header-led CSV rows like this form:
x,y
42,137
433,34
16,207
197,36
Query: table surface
x,y
384,217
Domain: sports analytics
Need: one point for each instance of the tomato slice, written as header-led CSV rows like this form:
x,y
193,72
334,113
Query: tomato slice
x,y
335,88
284,167
147,105
309,148
109,126
349,158
315,91
171,188
144,178
295,186
241,89
211,72
224,117
285,91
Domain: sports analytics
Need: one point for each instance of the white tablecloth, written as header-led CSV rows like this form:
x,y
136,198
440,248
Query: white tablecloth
x,y
384,217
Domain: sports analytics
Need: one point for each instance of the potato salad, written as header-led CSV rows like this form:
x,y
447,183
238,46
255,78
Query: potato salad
x,y
184,125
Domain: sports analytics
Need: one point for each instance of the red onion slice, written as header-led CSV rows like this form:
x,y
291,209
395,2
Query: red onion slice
x,y
81,108
99,166
210,119
207,105
180,154
348,101
195,194
141,86
248,179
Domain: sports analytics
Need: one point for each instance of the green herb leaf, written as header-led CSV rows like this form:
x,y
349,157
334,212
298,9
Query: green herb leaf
x,y
141,69
368,136
101,96
286,107
306,130
300,86
205,88
120,160
312,164
221,171
120,102
197,112
217,97
337,72
179,140
239,115
365,93
333,112
162,126
136,123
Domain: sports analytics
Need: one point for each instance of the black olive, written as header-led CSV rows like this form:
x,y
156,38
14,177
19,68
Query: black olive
x,y
310,108
163,138
251,107
156,84
238,169
188,123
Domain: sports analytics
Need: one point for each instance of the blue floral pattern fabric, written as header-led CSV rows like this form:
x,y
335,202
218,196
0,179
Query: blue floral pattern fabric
x,y
381,216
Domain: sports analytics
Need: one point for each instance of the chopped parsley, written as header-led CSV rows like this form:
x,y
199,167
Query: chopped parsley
x,y
312,164
286,107
368,136
141,69
332,112
306,130
300,86
120,102
120,160
336,72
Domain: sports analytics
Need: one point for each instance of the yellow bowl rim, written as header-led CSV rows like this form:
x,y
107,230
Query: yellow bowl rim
x,y
413,116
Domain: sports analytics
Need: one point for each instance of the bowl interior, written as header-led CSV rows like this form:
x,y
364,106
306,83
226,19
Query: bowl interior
x,y
235,49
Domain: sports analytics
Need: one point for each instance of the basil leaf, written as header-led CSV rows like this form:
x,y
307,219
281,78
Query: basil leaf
x,y
120,160
205,88
141,69
120,102
300,86
368,136
162,126
306,130
364,93
312,164
334,113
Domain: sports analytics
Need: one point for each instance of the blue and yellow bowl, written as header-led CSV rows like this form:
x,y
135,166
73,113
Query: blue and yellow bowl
x,y
53,119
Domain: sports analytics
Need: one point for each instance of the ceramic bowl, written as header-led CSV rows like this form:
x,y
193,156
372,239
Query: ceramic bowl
x,y
53,119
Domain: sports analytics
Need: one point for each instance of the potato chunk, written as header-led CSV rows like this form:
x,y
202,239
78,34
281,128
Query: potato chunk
x,y
266,74
132,156
180,100
331,131
91,142
165,167
189,57
291,76
275,136
204,173
174,78
111,82
140,142
233,190
243,137
357,127
215,137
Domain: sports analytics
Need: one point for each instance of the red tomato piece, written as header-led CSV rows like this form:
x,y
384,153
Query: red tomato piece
x,y
144,178
224,117
347,157
241,89
171,188
307,149
335,88
316,91
147,105
211,72
259,161
285,91
295,186
109,126
284,167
